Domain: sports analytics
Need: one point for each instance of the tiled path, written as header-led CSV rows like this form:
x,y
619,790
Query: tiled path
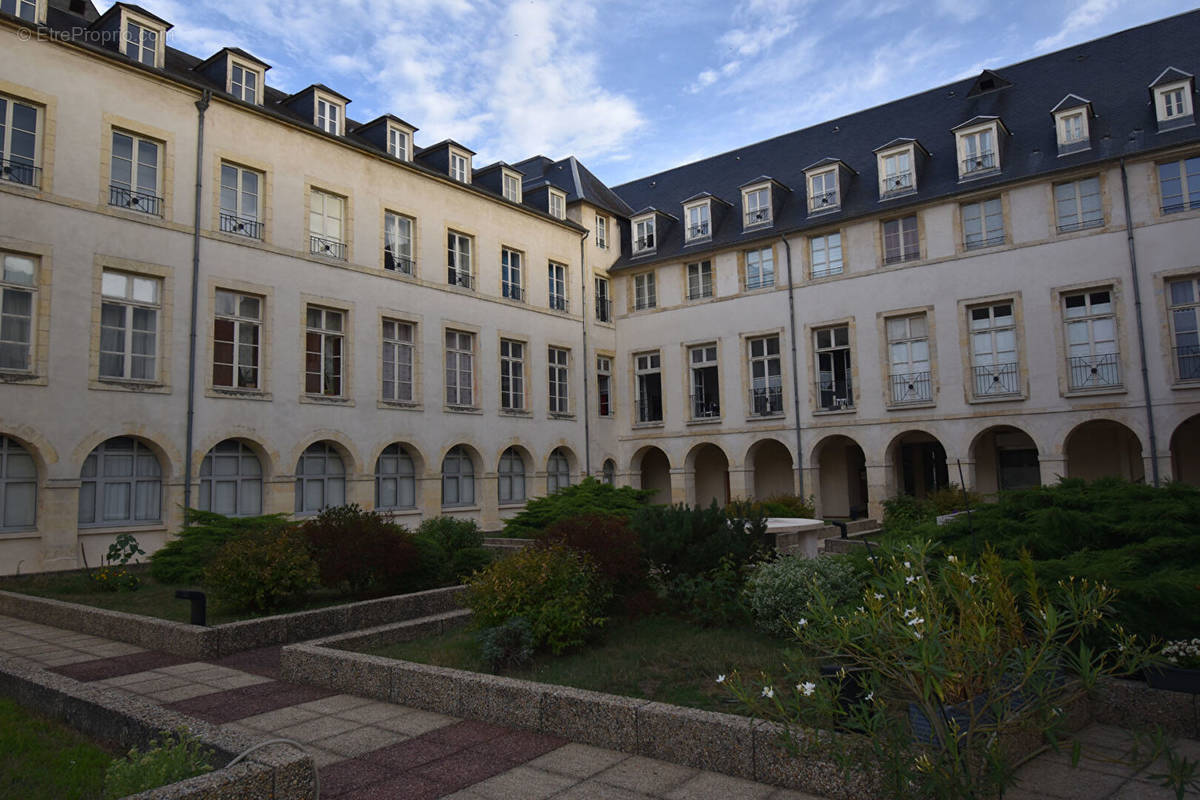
x,y
369,749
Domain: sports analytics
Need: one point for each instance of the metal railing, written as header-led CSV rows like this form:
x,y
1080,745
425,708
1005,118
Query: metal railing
x,y
329,248
603,309
698,231
977,242
705,407
242,226
460,277
758,216
766,401
1082,224
700,292
1093,372
900,182
911,387
834,394
559,303
825,201
997,379
124,197
513,292
648,410
760,281
20,172
1172,208
901,256
1187,359
980,162
643,243
402,264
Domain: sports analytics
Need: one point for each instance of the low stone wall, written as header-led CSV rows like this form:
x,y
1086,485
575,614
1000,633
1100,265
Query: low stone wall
x,y
1133,704
275,772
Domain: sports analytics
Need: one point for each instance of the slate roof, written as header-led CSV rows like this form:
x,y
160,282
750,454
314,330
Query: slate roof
x,y
1113,71
573,178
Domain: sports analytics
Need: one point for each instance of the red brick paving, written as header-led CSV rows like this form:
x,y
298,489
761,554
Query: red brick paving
x,y
263,661
248,701
104,668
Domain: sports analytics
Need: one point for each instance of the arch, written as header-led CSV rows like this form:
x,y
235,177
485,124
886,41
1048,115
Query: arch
x,y
608,472
1101,448
1004,458
459,476
320,477
268,459
231,479
35,444
170,460
396,472
121,481
18,486
841,477
512,475
653,469
414,452
917,462
1185,451
558,469
708,467
336,439
770,464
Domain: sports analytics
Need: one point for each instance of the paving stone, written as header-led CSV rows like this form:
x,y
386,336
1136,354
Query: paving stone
x,y
358,741
348,775
335,703
467,733
181,693
1050,779
408,754
594,790
714,786
404,787
236,681
460,770
370,713
279,718
261,661
518,747
416,723
524,783
578,760
646,775
316,729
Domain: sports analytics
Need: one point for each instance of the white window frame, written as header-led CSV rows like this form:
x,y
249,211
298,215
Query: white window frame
x,y
701,359
459,166
556,275
460,368
1185,343
604,309
245,315
897,171
331,477
903,254
143,476
646,365
973,159
700,280
459,247
134,194
458,471
12,284
604,387
766,375
1075,205
399,351
994,377
644,293
510,184
602,232
240,90
644,240
826,348
326,224
1173,101
11,171
398,249
28,10
1090,335
129,303
556,204
329,113
756,206
1072,129
821,255
984,212
699,221
1189,198
824,190
242,218
247,478
512,375
512,274
910,368
330,351
18,487
395,471
558,470
760,258
510,478
399,143
558,361
144,26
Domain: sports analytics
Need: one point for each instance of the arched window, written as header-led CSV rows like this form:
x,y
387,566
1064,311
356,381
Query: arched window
x,y
395,479
511,478
231,480
610,472
558,471
320,479
18,486
121,481
458,478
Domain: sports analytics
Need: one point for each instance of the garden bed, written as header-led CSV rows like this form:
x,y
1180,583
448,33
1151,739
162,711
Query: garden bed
x,y
43,759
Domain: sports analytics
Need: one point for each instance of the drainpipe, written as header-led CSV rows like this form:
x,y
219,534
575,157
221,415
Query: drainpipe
x,y
201,107
795,365
587,422
1137,313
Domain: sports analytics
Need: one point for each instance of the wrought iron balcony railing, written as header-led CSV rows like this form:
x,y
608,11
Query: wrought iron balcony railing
x,y
901,255
513,292
603,309
124,197
15,171
1187,359
825,201
760,280
1094,372
329,248
997,379
405,265
1082,224
705,407
648,410
699,231
460,277
977,241
758,216
911,387
834,394
643,243
980,162
559,303
766,401
242,226
900,182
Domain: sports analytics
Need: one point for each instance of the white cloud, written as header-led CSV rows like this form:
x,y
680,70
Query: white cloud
x,y
1086,15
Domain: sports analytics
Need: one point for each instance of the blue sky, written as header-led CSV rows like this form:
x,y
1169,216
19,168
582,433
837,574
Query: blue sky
x,y
632,88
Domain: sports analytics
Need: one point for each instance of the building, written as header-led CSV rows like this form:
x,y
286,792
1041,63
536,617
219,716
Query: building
x,y
206,277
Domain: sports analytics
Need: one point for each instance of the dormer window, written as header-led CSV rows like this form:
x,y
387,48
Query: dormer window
x,y
142,41
699,225
1173,99
512,187
643,236
329,115
23,9
245,82
978,147
1072,128
756,205
557,204
897,172
823,191
399,143
460,166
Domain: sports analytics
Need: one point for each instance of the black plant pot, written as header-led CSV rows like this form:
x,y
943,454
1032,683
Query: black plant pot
x,y
1173,679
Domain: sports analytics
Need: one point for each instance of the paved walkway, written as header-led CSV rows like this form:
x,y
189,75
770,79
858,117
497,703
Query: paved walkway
x,y
370,749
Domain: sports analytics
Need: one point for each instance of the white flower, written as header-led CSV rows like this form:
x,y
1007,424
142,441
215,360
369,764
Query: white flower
x,y
861,610
908,612
953,559
908,565
801,623
870,696
972,578
917,634
768,691
916,621
720,679
910,578
878,596
806,688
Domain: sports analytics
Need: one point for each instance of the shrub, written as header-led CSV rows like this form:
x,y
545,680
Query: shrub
x,y
612,545
359,550
691,541
779,592
589,496
557,589
182,560
171,758
449,550
508,645
782,505
263,570
455,534
709,598
950,498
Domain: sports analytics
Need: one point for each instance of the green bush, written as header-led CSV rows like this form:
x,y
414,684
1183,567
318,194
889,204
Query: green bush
x,y
450,550
557,589
779,592
782,505
263,570
508,645
589,496
182,560
906,515
710,598
612,545
360,550
692,541
171,758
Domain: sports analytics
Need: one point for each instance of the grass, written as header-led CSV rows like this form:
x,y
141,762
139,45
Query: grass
x,y
656,658
41,759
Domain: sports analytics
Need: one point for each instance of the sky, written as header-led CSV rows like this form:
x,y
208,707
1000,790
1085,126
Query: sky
x,y
632,88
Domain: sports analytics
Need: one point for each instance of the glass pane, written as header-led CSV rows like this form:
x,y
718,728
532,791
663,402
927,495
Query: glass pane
x,y
145,290
18,269
114,284
116,501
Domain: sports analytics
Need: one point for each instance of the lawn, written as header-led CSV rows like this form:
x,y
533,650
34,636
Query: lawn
x,y
656,658
41,759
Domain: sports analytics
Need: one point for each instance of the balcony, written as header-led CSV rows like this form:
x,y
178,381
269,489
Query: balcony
x,y
979,163
757,216
512,291
460,277
760,281
834,393
403,264
1081,225
698,231
997,380
559,303
643,244
1094,372
705,406
15,171
912,387
900,183
648,410
603,309
766,401
900,255
123,197
1187,359
328,248
825,201
978,241
242,226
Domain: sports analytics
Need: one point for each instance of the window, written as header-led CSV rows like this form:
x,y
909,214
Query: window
x,y
760,268
558,471
1072,128
901,241
1179,184
325,215
243,82
1173,103
603,301
241,193
25,9
398,243
604,386
643,291
458,259
237,332
977,151
18,486
558,286
994,350
766,377
20,147
1183,298
329,116
510,274
323,343
908,358
1091,334
510,478
512,375
395,479
458,478
609,472
459,164
983,223
231,480
647,372
557,204
460,369
398,143
643,236
18,293
1077,205
398,375
129,326
757,206
823,191
134,179
698,222
320,479
826,254
601,232
706,391
700,280
121,482
511,187
556,360
834,390
896,175
141,43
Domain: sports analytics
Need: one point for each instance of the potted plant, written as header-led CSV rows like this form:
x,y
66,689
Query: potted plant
x,y
1179,669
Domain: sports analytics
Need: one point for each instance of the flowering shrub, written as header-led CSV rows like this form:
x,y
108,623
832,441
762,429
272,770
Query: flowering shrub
x,y
113,574
263,570
780,591
1182,653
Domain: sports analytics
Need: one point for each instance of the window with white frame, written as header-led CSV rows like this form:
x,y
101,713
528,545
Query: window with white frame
x,y
1091,335
705,382
324,343
18,305
511,187
237,340
231,480
18,486
603,301
647,369
1077,205
834,377
994,365
825,254
908,359
1173,102
398,143
896,173
823,191
20,142
244,82
604,396
643,235
698,223
329,115
460,369
395,478
141,42
643,291
1179,184
557,204
700,280
977,151
320,479
398,243
398,351
557,274
601,232
24,9
135,176
766,376
557,359
510,478
458,478
129,326
326,231
1072,127
983,223
756,206
460,167
241,200
511,279
1183,304
121,482
512,375
760,268
458,259
901,240
558,471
